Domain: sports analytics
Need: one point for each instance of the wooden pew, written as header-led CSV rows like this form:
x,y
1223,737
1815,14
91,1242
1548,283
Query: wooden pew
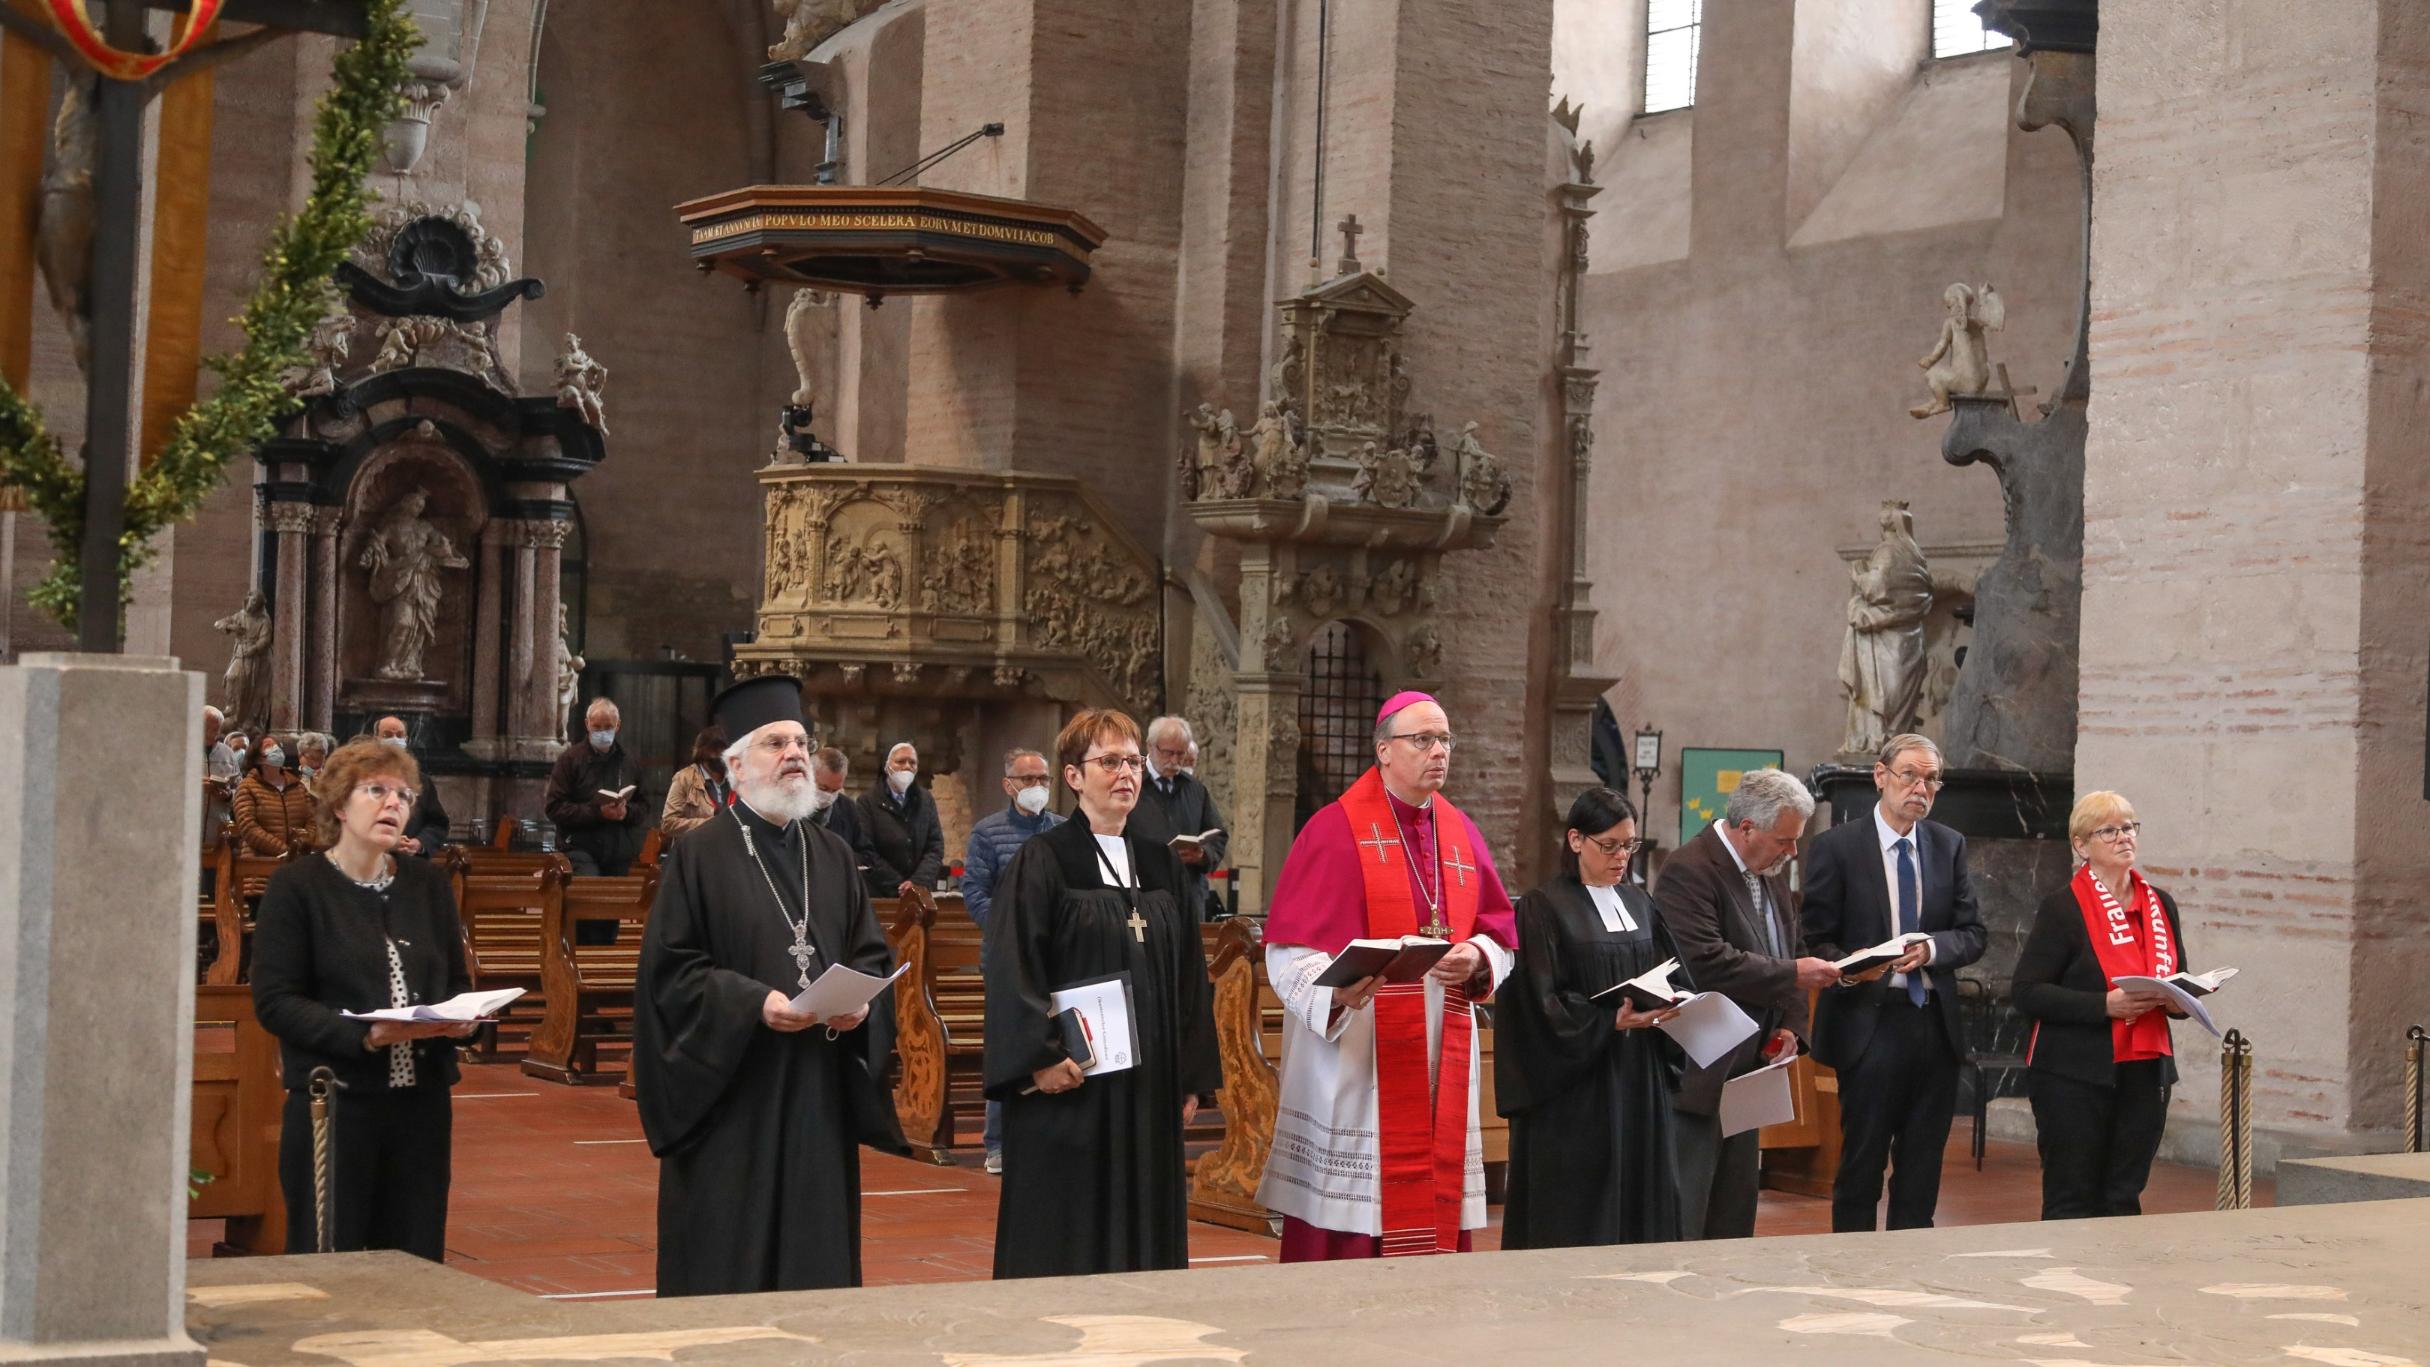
x,y
919,1035
500,898
1248,1036
238,886
234,1135
587,989
959,996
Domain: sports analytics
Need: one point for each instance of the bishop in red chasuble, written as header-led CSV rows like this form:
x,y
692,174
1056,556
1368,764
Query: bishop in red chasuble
x,y
1375,1140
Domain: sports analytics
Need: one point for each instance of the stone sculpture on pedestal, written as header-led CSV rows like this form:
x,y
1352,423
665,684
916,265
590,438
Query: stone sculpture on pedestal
x,y
248,678
405,555
1960,363
1881,658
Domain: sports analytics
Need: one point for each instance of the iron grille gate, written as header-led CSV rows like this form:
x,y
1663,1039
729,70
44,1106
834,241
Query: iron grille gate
x,y
1339,694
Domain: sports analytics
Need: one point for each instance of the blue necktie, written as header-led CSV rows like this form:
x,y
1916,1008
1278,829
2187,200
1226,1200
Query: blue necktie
x,y
1908,914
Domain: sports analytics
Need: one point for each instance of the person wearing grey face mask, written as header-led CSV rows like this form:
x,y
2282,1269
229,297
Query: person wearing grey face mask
x,y
993,842
595,799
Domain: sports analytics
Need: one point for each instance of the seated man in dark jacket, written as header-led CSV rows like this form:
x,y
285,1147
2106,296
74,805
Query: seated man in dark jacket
x,y
601,834
902,842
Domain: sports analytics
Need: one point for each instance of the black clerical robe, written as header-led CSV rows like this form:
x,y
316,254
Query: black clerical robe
x,y
756,1131
1094,1179
1589,1103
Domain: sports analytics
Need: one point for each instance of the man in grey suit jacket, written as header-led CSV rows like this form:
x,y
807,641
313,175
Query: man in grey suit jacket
x,y
1893,1034
1727,907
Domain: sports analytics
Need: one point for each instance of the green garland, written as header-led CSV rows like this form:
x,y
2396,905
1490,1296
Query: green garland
x,y
277,322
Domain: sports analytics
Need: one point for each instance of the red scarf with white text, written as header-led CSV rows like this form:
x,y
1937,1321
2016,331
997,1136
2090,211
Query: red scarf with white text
x,y
2132,940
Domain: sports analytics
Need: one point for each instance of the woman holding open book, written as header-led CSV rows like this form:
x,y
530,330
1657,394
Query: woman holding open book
x,y
350,930
1100,1039
1585,1083
2099,1063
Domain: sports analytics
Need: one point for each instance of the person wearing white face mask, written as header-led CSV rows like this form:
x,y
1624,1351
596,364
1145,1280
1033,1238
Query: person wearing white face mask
x,y
993,842
602,830
902,843
426,828
829,807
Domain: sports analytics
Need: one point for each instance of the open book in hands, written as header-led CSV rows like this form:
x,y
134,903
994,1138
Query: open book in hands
x,y
1194,842
1708,1025
2182,990
1889,951
620,794
459,1009
1404,960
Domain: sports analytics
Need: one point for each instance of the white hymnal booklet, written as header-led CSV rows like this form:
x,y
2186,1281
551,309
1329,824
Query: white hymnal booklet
x,y
1708,1026
840,991
2182,989
1105,1012
459,1009
1753,1100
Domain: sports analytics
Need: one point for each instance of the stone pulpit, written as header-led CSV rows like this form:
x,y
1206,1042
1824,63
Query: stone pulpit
x,y
413,511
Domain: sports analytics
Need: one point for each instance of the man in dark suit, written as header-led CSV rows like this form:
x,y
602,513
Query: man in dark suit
x,y
1892,1034
1727,907
1173,803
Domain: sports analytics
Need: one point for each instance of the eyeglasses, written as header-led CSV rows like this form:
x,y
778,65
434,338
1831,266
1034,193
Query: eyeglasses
x,y
777,745
1030,780
1425,742
2111,835
1111,765
1908,778
1614,849
380,793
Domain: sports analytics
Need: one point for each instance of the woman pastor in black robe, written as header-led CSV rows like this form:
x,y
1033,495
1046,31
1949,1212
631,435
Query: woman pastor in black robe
x,y
1585,1084
1094,1178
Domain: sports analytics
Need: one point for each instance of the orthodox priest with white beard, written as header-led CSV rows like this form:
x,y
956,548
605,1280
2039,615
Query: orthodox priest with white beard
x,y
754,1110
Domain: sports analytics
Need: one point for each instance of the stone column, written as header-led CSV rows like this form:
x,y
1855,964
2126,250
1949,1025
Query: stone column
x,y
292,523
520,721
1265,742
486,641
320,705
548,546
2256,512
97,1082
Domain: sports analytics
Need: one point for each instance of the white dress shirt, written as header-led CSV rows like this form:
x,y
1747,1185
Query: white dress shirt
x,y
1890,837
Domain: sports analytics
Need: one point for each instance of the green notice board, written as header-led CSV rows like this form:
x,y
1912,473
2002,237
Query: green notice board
x,y
1706,780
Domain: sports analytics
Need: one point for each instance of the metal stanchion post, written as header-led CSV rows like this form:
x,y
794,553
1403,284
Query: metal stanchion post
x,y
2417,1044
2235,1122
322,1084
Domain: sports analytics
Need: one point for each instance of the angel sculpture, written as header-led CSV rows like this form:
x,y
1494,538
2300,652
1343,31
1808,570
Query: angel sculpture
x,y
1960,363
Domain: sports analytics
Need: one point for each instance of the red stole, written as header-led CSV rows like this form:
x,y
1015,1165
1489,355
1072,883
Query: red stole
x,y
2129,941
1423,1142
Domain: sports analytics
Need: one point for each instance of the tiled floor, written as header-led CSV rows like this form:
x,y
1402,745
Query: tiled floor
x,y
556,1194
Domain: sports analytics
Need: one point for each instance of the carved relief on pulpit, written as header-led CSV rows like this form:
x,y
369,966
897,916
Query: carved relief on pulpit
x,y
1085,595
958,572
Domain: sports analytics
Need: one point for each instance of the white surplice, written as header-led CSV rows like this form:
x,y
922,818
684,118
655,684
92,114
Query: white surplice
x,y
1323,1166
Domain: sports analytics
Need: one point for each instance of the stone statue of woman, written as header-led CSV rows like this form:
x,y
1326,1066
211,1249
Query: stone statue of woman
x,y
569,673
1881,660
247,680
405,556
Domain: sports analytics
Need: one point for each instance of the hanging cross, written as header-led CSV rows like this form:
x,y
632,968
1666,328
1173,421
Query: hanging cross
x,y
1350,231
1459,868
1379,844
802,954
1138,926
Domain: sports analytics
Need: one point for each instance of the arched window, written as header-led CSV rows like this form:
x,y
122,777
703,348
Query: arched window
x,y
1674,36
1340,690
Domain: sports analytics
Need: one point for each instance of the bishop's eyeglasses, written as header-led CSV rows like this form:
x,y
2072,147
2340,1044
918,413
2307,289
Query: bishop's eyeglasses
x,y
1426,741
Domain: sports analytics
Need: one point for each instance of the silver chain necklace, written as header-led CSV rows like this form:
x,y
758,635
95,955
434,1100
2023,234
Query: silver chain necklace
x,y
1434,898
801,951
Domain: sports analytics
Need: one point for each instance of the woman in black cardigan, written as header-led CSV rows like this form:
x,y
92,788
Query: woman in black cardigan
x,y
355,929
2100,1060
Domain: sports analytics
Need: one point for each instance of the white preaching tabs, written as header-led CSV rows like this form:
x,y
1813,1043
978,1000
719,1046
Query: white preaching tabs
x,y
1105,1012
840,991
1753,1100
459,1009
2181,989
1708,1025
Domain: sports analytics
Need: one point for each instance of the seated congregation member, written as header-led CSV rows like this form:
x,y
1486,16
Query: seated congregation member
x,y
1094,1179
902,842
754,1110
2099,1063
1892,1034
1586,1083
355,929
602,833
271,812
427,829
311,752
699,791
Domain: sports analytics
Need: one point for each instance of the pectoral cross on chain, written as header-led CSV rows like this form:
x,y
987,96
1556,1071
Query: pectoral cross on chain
x,y
1378,843
1138,925
802,955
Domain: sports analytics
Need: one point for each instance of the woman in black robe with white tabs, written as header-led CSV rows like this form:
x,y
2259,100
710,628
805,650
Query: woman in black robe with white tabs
x,y
1585,1083
1094,1177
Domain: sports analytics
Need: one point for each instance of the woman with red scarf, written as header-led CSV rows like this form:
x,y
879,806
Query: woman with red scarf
x,y
2099,1062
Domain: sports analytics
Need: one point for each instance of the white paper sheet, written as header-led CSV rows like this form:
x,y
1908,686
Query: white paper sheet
x,y
465,1006
1105,1009
840,991
1708,1026
1763,1097
2184,1001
